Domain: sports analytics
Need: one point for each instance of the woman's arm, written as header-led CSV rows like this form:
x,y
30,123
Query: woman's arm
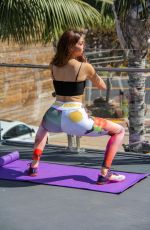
x,y
94,77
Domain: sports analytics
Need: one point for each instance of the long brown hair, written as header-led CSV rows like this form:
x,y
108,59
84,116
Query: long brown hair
x,y
66,42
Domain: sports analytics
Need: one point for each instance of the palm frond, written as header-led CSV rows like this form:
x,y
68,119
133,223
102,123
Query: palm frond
x,y
69,14
31,20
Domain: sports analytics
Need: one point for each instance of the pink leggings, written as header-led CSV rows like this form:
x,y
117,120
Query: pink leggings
x,y
115,131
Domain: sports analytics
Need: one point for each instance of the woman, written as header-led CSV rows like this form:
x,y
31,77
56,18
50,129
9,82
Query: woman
x,y
69,72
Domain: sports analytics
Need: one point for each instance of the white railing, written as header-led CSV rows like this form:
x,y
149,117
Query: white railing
x,y
107,69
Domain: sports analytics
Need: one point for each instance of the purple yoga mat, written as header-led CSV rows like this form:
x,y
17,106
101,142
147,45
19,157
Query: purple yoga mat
x,y
67,176
13,156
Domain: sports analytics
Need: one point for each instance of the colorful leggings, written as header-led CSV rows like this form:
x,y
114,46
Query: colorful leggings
x,y
72,119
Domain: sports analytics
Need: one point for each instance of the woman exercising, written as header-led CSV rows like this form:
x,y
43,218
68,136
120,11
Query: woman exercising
x,y
70,71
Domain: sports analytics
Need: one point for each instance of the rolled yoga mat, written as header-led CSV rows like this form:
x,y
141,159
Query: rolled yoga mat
x,y
13,156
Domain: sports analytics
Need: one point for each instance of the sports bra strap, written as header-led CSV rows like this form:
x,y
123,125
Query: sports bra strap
x,y
78,71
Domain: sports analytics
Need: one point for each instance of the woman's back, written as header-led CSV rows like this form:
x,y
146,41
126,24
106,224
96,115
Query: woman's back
x,y
77,73
73,72
69,72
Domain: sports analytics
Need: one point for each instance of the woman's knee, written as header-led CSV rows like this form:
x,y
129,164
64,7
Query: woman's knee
x,y
121,132
122,129
118,130
42,132
38,138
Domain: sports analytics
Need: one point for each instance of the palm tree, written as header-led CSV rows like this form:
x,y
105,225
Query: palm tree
x,y
32,21
132,20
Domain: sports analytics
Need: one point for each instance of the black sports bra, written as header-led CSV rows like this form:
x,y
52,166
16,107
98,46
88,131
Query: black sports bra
x,y
67,88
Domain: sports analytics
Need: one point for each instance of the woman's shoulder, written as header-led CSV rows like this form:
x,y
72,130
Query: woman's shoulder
x,y
89,68
77,62
86,67
73,62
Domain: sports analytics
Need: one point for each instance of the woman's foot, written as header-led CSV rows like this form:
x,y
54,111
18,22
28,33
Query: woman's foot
x,y
110,177
32,171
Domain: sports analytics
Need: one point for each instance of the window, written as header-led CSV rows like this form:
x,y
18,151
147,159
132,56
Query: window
x,y
17,131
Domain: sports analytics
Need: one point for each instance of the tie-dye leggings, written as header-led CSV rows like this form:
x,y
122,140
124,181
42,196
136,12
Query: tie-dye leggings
x,y
71,118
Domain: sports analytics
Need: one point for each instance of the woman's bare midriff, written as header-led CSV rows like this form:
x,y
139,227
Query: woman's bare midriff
x,y
70,98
